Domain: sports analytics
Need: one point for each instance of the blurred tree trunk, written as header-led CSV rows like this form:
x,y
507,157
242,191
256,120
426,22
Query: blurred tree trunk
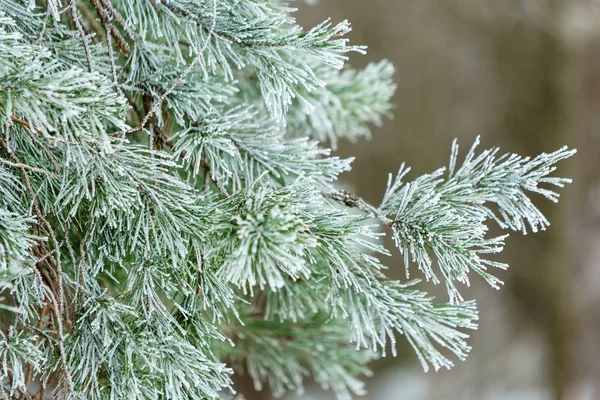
x,y
535,70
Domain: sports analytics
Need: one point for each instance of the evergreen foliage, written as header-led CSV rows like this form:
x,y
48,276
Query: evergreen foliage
x,y
169,214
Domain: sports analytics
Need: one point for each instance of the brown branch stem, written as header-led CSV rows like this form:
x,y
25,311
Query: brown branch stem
x,y
354,201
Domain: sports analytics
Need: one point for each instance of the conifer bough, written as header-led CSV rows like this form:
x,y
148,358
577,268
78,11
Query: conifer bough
x,y
169,214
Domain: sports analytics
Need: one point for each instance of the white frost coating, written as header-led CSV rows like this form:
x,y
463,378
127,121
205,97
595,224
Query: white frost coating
x,y
180,200
441,218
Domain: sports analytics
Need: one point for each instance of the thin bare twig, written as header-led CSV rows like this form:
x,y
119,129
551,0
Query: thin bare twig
x,y
46,136
208,173
59,277
91,19
29,167
36,206
45,23
59,306
110,33
179,79
121,42
221,189
43,311
61,338
47,255
42,219
45,150
111,53
30,126
82,261
120,20
82,33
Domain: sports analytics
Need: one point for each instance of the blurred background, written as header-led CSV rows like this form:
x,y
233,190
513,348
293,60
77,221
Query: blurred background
x,y
524,74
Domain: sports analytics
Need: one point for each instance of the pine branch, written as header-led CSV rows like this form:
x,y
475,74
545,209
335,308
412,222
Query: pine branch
x,y
169,211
